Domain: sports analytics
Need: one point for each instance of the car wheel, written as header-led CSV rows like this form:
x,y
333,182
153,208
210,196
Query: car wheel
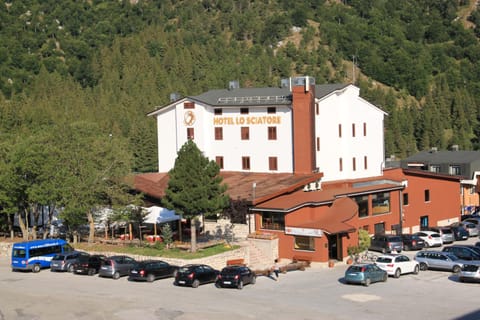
x,y
406,248
91,272
116,276
217,285
456,269
398,272
36,268
416,269
254,279
195,283
427,245
367,282
423,267
240,285
150,278
385,277
70,268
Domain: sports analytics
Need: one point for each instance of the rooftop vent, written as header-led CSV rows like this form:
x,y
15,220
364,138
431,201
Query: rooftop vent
x,y
234,84
285,83
433,149
174,96
455,147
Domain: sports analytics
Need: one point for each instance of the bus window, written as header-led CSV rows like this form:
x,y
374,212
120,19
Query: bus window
x,y
19,253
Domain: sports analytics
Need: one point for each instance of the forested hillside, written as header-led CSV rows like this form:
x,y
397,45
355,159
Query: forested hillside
x,y
108,63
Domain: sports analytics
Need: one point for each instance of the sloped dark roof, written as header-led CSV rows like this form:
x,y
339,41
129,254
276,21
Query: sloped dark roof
x,y
448,157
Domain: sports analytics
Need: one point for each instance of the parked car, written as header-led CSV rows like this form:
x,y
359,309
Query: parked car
x,y
195,274
397,264
65,261
439,260
386,243
445,232
365,273
432,239
88,264
412,242
150,270
470,227
469,272
465,252
116,266
475,220
459,232
235,276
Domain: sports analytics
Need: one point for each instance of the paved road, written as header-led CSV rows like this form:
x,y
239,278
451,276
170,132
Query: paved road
x,y
317,293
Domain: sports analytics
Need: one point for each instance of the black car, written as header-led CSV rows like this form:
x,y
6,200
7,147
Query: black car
x,y
459,232
150,270
465,252
195,274
236,277
88,264
412,242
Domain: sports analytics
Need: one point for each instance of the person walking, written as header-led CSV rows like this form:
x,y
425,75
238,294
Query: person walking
x,y
276,269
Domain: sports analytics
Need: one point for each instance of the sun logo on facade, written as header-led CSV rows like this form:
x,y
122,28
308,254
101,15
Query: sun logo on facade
x,y
189,118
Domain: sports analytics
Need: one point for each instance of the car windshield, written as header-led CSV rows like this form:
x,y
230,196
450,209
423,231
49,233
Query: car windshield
x,y
435,235
357,268
452,257
384,259
394,239
185,269
58,257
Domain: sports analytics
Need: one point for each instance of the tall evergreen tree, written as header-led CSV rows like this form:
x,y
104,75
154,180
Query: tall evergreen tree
x,y
195,187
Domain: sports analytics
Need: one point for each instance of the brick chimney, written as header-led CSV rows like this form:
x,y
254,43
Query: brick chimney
x,y
303,94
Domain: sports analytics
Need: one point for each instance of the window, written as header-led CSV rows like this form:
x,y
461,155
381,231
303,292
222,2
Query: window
x,y
365,163
340,164
246,163
317,109
427,195
423,222
362,202
353,129
472,190
245,132
354,164
304,243
244,110
272,163
364,129
454,170
219,161
218,111
379,228
405,199
272,133
273,221
339,130
434,168
190,133
318,143
218,133
271,110
188,105
381,203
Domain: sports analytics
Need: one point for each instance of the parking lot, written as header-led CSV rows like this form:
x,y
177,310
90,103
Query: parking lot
x,y
317,293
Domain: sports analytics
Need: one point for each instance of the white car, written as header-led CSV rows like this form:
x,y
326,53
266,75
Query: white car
x,y
397,264
431,238
471,227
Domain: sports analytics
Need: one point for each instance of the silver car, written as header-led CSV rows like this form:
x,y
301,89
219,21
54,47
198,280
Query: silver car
x,y
445,232
470,272
65,261
439,260
470,227
116,267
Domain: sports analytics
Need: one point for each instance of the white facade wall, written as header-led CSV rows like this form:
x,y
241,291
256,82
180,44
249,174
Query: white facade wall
x,y
346,108
232,148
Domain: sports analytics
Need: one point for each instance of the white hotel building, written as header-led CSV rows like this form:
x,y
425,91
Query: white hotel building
x,y
298,127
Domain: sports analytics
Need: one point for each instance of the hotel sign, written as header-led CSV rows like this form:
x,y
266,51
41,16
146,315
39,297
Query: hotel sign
x,y
304,232
250,120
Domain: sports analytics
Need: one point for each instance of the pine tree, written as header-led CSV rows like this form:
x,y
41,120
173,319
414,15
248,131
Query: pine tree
x,y
195,187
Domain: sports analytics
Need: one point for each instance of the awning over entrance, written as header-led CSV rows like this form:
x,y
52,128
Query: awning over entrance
x,y
333,221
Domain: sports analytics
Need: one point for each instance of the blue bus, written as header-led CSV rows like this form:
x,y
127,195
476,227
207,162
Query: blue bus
x,y
35,255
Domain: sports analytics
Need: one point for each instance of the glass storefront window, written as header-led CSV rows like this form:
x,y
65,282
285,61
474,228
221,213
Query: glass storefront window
x,y
362,202
304,243
273,221
381,203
